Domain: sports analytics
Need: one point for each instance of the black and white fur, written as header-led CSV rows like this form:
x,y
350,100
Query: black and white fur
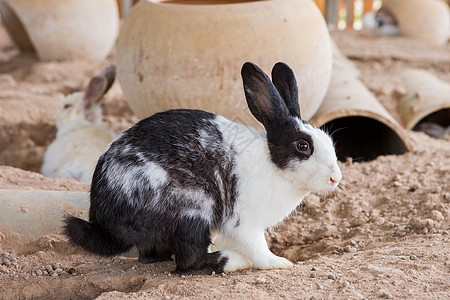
x,y
171,182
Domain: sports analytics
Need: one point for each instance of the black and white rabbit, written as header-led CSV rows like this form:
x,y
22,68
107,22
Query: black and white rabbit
x,y
171,181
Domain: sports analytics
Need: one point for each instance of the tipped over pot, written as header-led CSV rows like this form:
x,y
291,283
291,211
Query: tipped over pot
x,y
360,126
426,103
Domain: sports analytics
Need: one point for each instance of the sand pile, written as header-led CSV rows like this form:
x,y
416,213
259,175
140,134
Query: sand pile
x,y
386,236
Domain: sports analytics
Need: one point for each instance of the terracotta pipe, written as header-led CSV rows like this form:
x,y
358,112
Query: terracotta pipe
x,y
361,127
427,99
27,214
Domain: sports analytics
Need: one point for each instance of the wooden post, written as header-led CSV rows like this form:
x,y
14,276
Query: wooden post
x,y
321,5
331,13
125,6
350,14
368,6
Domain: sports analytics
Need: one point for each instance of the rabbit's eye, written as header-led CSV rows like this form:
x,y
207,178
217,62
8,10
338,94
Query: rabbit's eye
x,y
66,106
302,146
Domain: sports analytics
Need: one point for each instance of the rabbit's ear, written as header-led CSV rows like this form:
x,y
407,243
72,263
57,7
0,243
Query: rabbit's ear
x,y
263,99
109,73
284,80
95,90
99,85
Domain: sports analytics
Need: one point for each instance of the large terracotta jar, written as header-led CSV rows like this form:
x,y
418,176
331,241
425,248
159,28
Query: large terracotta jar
x,y
188,54
62,29
424,20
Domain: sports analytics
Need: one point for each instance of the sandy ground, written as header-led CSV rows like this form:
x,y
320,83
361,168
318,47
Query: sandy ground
x,y
386,236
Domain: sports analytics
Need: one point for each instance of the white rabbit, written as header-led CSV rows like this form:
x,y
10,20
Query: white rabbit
x,y
81,134
381,22
172,180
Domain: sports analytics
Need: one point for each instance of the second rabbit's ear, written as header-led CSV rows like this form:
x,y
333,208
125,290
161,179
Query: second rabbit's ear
x,y
99,85
109,73
95,90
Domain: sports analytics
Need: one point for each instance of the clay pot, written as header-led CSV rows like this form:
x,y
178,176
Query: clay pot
x,y
62,29
181,55
425,20
360,126
427,99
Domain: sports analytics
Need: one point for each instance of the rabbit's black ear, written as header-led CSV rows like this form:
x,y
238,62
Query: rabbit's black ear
x,y
263,99
283,79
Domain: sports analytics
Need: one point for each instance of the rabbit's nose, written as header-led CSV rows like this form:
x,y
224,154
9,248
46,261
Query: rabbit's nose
x,y
333,180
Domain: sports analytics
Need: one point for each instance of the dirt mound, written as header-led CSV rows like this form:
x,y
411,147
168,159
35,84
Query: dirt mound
x,y
385,236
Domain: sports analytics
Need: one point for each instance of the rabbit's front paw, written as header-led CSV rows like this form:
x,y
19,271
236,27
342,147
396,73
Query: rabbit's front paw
x,y
235,261
274,262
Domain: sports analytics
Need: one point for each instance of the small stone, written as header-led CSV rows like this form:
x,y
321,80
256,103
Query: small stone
x,y
313,269
412,257
437,215
71,271
332,277
213,273
39,273
397,184
261,280
313,275
59,270
446,196
56,266
49,268
24,209
7,262
54,274
349,161
386,295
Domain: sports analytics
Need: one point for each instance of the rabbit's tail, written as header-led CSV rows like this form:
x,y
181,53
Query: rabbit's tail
x,y
93,238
